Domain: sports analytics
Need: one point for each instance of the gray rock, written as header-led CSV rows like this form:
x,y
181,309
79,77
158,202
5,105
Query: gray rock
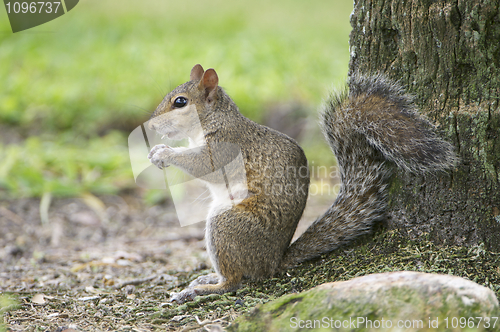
x,y
394,301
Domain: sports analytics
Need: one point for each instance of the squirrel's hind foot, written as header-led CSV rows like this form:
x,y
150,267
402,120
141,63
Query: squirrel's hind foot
x,y
204,285
206,279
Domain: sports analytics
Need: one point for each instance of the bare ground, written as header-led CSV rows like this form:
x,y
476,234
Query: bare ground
x,y
109,263
98,263
106,264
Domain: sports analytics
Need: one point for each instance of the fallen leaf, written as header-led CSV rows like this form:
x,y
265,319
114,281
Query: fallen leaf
x,y
38,299
108,280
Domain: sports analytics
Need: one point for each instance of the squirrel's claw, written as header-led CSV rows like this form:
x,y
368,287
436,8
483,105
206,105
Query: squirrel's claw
x,y
191,292
159,155
187,294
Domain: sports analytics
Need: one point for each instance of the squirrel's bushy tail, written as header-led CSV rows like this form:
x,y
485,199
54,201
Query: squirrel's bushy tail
x,y
371,124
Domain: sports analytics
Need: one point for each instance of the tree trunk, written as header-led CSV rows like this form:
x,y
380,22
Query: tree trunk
x,y
446,53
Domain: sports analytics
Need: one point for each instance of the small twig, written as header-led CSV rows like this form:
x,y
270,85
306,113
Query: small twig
x,y
96,205
44,207
197,326
195,236
26,318
11,215
134,281
88,298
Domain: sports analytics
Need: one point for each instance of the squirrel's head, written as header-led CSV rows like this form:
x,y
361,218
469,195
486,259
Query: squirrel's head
x,y
178,115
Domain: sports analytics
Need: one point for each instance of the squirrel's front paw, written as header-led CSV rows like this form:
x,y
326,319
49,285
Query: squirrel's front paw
x,y
187,294
159,155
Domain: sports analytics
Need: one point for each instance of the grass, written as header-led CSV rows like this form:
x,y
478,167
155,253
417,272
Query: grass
x,y
69,85
36,167
7,303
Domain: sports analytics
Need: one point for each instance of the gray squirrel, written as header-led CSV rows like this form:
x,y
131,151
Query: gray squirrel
x,y
369,126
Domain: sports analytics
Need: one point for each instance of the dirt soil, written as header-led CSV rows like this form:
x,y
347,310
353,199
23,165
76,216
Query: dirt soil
x,y
98,264
109,264
106,264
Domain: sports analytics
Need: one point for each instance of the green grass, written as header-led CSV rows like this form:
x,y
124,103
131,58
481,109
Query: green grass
x,y
97,165
105,65
7,303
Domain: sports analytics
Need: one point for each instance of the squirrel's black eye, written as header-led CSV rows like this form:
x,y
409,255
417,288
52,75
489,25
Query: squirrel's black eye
x,y
180,102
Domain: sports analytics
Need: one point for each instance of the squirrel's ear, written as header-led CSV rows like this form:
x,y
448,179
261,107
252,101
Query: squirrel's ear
x,y
196,73
209,83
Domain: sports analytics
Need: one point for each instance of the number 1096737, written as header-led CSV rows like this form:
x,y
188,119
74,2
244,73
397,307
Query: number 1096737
x,y
33,7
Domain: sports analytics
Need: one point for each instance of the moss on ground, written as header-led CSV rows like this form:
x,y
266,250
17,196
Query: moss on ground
x,y
386,251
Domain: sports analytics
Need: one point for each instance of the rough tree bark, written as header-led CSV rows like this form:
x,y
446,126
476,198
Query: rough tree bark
x,y
447,53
